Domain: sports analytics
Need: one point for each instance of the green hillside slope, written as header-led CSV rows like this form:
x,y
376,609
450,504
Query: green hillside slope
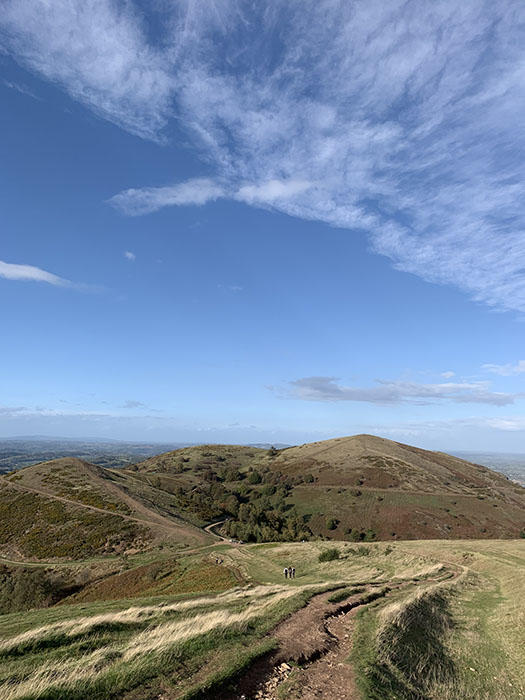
x,y
68,508
355,488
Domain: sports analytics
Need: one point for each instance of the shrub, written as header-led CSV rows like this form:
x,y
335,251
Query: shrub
x,y
329,554
331,524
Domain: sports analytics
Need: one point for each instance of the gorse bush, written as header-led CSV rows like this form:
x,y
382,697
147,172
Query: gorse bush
x,y
329,554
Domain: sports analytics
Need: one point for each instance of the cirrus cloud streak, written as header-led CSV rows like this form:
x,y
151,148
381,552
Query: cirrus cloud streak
x,y
30,273
401,120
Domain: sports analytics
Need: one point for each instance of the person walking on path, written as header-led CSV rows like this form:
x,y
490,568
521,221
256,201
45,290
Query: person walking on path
x,y
285,572
293,572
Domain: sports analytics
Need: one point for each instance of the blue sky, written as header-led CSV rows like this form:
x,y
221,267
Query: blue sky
x,y
263,221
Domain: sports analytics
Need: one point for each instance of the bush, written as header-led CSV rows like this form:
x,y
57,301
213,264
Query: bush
x,y
331,524
522,534
329,554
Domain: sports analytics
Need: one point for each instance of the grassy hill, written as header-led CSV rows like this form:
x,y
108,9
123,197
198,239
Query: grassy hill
x,y
451,608
355,488
360,488
100,598
76,510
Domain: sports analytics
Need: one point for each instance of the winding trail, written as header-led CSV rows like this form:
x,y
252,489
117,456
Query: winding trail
x,y
314,644
209,529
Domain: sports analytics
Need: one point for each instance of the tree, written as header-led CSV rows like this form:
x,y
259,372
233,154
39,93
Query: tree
x,y
331,523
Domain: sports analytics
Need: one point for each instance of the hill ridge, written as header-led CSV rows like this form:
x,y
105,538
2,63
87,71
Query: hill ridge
x,y
348,488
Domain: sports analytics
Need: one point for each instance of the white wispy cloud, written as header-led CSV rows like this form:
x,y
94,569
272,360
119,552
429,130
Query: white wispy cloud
x,y
22,89
388,392
133,403
271,192
146,200
99,51
399,119
506,370
482,425
130,256
29,273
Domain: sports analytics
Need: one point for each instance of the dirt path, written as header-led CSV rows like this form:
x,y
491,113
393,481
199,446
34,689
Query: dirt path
x,y
314,644
157,522
318,637
211,531
332,676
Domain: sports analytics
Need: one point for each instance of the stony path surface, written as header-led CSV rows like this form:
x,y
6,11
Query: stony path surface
x,y
311,662
331,676
318,638
322,648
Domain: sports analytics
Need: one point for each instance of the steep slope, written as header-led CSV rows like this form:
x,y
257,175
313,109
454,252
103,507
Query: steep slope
x,y
368,484
360,487
381,463
69,508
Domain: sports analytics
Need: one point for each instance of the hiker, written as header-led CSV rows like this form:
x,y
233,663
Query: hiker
x,y
285,572
293,572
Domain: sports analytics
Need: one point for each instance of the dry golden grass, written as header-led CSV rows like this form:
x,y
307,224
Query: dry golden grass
x,y
137,649
137,614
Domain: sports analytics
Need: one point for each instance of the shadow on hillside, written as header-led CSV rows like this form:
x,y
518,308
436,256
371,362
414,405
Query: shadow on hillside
x,y
412,658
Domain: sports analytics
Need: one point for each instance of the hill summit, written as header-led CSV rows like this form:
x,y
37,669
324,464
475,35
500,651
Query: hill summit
x,y
358,487
352,488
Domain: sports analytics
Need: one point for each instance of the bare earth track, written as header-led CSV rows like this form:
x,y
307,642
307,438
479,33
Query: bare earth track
x,y
311,661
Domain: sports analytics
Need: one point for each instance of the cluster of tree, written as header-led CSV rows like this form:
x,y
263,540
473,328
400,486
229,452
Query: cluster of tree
x,y
253,501
259,522
357,535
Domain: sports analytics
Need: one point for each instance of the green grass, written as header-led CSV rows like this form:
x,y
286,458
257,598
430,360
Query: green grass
x,y
459,640
451,629
345,593
122,652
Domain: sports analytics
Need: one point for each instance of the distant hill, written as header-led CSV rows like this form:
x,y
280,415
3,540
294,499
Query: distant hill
x,y
355,488
508,463
70,508
18,452
360,487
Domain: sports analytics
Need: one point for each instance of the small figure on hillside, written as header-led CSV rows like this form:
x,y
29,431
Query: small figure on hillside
x,y
293,572
285,572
